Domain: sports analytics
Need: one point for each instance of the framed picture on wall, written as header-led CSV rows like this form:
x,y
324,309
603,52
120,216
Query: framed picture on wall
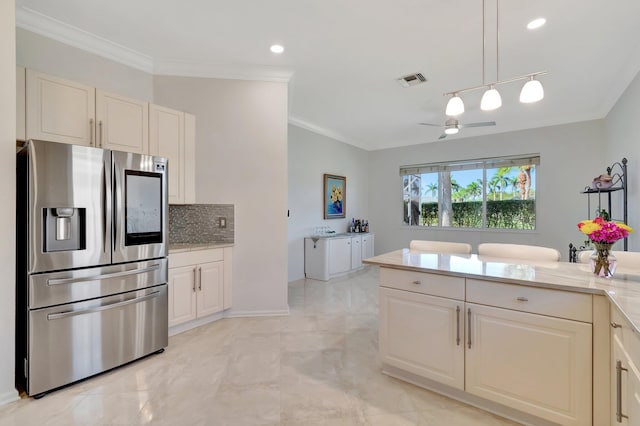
x,y
334,196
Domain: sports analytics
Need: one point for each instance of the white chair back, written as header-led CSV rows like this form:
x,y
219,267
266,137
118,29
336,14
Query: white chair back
x,y
440,247
519,251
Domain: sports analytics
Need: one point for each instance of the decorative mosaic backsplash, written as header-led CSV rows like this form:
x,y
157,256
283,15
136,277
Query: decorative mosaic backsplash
x,y
200,224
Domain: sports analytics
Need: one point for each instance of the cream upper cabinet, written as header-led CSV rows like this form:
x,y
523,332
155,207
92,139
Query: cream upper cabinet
x,y
121,123
59,110
172,135
533,363
423,335
21,127
189,158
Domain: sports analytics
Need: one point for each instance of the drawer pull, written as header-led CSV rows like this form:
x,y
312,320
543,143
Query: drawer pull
x,y
416,282
522,299
469,327
457,325
619,370
615,325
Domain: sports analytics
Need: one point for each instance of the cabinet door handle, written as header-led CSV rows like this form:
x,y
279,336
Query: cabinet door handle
x,y
200,279
194,279
416,282
619,370
615,325
469,327
457,325
522,299
100,133
91,132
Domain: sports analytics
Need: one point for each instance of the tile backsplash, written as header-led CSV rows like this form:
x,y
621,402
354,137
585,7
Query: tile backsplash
x,y
200,223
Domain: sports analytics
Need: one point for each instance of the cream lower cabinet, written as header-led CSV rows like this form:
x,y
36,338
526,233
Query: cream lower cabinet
x,y
536,364
423,335
625,374
199,284
356,252
339,255
367,245
530,352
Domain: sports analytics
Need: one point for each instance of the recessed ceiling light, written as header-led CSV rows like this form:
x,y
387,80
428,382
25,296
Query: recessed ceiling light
x,y
536,23
276,48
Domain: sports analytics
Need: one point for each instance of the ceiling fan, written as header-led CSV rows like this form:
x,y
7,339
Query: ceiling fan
x,y
452,126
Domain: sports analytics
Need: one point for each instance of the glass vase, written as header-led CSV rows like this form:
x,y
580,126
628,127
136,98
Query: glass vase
x,y
602,262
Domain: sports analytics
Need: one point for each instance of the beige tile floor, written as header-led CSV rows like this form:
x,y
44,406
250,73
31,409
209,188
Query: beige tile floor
x,y
319,366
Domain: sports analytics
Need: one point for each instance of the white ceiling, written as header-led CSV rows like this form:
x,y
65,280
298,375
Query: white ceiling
x,y
342,57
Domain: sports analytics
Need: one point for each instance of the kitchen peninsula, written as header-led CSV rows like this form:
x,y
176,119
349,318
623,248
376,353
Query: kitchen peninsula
x,y
531,341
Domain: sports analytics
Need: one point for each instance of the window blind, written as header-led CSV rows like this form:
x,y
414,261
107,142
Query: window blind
x,y
487,163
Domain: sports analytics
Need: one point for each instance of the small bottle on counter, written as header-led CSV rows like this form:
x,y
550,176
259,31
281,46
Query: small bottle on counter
x,y
366,226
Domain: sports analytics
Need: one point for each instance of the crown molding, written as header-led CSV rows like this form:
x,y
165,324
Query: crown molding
x,y
52,28
224,71
295,121
44,25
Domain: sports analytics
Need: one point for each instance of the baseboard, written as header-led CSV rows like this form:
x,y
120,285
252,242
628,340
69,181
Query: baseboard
x,y
267,313
9,397
181,328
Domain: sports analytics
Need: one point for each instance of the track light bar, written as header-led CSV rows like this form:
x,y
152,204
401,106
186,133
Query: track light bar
x,y
486,86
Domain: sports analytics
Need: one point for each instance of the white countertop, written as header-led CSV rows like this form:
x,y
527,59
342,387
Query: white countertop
x,y
338,235
623,290
180,247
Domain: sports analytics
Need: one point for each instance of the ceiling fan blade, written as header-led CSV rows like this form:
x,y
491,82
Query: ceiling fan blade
x,y
481,124
430,124
442,136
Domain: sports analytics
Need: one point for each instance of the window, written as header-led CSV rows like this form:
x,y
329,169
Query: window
x,y
489,193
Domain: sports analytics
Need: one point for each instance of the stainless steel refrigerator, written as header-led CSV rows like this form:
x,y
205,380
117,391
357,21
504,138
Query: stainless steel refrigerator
x,y
91,269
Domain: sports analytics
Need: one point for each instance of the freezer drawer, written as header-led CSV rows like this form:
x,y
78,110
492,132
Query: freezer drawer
x,y
70,342
57,288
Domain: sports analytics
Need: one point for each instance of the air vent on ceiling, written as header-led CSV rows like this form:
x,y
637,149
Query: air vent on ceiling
x,y
412,79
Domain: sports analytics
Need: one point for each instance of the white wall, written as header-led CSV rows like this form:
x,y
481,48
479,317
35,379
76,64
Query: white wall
x,y
623,140
64,61
7,199
310,157
241,159
570,156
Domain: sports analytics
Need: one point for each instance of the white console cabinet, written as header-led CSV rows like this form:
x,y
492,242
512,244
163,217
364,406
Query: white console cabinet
x,y
329,257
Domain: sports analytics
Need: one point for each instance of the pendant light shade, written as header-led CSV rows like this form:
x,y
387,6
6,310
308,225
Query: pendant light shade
x,y
491,99
455,106
532,91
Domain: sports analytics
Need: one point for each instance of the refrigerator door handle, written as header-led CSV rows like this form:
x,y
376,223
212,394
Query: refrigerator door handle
x,y
104,208
59,281
66,314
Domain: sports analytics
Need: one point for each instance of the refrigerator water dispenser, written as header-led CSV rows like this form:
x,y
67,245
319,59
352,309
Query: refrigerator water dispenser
x,y
64,228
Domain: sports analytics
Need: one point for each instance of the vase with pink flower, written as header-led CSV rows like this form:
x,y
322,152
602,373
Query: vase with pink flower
x,y
603,234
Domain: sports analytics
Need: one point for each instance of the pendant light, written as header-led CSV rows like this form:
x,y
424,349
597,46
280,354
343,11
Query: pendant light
x,y
491,99
455,106
532,91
